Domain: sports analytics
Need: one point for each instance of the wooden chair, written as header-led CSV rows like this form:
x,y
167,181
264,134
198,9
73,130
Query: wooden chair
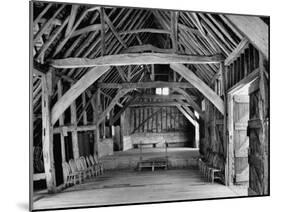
x,y
75,171
69,178
97,166
98,163
86,168
93,167
81,169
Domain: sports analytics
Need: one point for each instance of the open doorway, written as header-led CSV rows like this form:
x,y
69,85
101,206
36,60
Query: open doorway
x,y
239,113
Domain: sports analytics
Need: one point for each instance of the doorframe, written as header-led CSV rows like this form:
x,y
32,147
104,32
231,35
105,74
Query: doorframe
x,y
243,84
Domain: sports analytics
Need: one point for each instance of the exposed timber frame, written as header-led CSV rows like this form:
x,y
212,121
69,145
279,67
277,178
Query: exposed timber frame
x,y
136,59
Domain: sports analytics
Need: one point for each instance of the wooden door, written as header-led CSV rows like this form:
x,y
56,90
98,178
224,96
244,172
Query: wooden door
x,y
241,140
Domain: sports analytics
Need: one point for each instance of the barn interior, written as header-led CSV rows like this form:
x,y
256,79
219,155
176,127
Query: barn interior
x,y
170,104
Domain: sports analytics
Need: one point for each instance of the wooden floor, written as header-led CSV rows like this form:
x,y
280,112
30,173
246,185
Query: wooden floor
x,y
121,187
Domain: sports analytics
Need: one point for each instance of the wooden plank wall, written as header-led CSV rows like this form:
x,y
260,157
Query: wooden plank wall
x,y
242,66
165,119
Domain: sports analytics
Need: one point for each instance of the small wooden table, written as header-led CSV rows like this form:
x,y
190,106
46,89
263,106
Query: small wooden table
x,y
153,163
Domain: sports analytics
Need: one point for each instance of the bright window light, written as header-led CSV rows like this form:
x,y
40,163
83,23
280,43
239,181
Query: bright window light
x,y
165,91
159,91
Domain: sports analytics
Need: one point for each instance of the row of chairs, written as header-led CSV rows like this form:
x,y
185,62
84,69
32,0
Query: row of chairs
x,y
209,172
76,171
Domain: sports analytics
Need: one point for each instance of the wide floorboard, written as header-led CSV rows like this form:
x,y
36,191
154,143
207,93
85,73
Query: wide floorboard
x,y
128,186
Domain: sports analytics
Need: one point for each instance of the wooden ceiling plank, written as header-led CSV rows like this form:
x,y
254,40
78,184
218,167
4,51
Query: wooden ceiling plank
x,y
111,26
225,32
66,38
103,47
73,13
37,19
52,37
174,30
230,25
47,24
237,51
217,32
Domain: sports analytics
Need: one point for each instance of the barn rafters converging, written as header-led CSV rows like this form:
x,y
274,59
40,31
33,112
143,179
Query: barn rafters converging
x,y
91,64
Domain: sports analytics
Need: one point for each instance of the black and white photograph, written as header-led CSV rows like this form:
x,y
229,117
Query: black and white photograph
x,y
134,105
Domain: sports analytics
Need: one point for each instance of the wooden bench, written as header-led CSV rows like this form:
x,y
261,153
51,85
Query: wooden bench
x,y
153,144
153,163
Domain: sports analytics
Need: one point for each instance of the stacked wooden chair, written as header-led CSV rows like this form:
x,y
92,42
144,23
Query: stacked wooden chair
x,y
95,162
76,171
210,173
70,178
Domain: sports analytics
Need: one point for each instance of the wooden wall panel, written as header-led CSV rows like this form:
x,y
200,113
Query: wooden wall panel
x,y
165,120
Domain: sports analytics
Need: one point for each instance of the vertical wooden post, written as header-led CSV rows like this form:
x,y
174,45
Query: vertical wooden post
x,y
263,104
47,133
85,120
122,131
61,123
225,127
74,135
103,49
197,133
103,122
96,117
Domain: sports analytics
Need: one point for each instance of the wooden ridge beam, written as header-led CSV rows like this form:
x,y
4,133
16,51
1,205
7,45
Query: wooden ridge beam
x,y
155,84
81,85
136,59
170,96
150,30
157,104
200,85
254,29
146,47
